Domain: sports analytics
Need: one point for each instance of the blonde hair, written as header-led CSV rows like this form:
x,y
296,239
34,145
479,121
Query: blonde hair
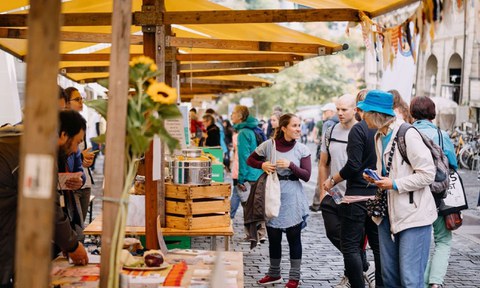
x,y
242,111
380,120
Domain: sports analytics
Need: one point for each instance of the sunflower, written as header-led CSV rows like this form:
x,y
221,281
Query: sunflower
x,y
141,60
162,93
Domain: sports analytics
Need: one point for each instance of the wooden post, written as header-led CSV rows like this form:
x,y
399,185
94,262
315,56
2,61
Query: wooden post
x,y
38,148
154,190
116,127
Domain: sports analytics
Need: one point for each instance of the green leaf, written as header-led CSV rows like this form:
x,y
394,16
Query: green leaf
x,y
100,139
169,111
99,105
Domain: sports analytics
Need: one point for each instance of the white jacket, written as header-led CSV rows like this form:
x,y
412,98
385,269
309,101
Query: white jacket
x,y
417,178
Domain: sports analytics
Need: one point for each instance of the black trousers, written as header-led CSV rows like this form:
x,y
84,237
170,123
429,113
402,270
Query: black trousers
x,y
294,241
355,224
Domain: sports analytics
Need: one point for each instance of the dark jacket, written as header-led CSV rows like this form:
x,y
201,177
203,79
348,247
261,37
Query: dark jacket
x,y
254,212
361,155
64,236
213,138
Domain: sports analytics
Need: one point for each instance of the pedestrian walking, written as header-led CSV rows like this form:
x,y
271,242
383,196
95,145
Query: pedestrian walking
x,y
422,110
355,222
333,158
404,229
293,164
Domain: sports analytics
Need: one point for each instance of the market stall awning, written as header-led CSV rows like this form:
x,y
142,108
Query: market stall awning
x,y
235,47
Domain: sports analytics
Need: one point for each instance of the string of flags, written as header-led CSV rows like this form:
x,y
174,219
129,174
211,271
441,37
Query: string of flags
x,y
386,42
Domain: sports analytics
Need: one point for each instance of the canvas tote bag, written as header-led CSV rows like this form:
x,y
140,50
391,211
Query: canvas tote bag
x,y
272,189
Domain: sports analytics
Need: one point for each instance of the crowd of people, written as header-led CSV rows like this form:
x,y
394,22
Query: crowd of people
x,y
356,133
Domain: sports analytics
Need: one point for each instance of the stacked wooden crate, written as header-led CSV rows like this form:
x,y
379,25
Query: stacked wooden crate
x,y
191,206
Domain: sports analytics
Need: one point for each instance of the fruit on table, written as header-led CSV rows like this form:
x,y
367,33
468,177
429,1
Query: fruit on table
x,y
129,260
153,259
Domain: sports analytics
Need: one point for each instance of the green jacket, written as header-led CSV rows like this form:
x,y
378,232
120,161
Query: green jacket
x,y
246,144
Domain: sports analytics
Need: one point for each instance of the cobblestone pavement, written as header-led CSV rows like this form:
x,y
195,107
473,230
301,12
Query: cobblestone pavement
x,y
322,264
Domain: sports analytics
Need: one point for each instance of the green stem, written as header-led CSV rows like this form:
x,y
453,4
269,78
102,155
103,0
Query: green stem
x,y
120,222
140,94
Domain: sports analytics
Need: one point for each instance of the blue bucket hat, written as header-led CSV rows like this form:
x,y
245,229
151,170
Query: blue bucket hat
x,y
377,101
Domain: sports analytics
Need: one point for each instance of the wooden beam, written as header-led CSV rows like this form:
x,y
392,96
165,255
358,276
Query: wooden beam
x,y
84,69
234,65
116,125
68,19
229,72
227,83
240,57
307,48
13,33
152,18
391,8
257,57
215,87
37,182
205,91
261,16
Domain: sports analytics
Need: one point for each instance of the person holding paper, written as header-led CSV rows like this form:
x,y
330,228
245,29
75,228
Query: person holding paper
x,y
64,237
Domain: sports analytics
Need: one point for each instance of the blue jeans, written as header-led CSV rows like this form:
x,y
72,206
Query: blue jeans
x,y
404,258
234,200
438,264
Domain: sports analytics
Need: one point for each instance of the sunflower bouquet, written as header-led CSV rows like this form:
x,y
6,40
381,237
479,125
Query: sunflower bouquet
x,y
150,103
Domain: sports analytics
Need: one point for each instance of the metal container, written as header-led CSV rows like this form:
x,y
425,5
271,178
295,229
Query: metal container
x,y
192,169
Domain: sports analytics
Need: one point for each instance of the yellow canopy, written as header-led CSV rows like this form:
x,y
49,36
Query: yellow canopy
x,y
262,47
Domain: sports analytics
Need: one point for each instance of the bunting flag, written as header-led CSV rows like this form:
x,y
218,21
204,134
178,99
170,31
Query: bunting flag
x,y
386,41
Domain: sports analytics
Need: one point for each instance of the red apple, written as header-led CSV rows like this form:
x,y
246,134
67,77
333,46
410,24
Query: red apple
x,y
153,260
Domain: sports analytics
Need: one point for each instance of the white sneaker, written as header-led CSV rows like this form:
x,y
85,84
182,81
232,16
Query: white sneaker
x,y
344,283
369,275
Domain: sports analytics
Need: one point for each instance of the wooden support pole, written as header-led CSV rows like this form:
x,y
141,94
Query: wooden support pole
x,y
152,189
38,149
116,127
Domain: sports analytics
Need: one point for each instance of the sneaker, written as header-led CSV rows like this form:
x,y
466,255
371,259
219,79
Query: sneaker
x,y
344,283
436,286
267,280
263,239
314,208
369,276
292,283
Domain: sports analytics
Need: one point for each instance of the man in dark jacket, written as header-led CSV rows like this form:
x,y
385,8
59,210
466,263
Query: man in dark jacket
x,y
64,237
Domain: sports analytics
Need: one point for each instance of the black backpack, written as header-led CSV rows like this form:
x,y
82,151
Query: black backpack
x,y
440,185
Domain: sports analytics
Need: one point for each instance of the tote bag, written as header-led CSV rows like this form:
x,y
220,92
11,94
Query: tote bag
x,y
272,189
456,200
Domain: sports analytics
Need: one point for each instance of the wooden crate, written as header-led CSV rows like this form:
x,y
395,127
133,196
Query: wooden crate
x,y
196,206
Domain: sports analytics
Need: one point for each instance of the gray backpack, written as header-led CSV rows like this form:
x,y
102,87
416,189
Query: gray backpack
x,y
442,176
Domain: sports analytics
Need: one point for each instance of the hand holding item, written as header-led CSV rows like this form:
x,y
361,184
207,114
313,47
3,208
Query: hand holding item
x,y
384,183
79,256
268,167
74,183
88,157
283,163
327,185
242,187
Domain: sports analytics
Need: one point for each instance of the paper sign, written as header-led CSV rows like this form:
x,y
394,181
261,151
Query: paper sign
x,y
37,179
64,177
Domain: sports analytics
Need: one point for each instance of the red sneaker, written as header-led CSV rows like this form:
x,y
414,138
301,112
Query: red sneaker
x,y
267,280
292,283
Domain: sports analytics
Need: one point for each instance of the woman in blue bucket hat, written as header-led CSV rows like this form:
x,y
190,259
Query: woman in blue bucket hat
x,y
405,224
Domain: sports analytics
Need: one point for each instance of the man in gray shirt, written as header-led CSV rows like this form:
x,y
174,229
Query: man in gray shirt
x,y
332,158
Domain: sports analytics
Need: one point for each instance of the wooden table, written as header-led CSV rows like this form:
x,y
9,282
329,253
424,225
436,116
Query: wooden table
x,y
67,275
95,228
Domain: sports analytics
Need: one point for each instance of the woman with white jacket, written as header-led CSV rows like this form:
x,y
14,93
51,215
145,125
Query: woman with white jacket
x,y
405,229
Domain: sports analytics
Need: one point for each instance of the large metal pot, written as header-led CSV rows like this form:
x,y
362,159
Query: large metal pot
x,y
192,169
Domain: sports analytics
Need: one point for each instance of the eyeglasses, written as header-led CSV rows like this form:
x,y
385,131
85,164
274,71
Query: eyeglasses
x,y
78,99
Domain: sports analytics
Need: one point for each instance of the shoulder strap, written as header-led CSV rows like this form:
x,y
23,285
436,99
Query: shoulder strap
x,y
402,146
328,137
440,138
